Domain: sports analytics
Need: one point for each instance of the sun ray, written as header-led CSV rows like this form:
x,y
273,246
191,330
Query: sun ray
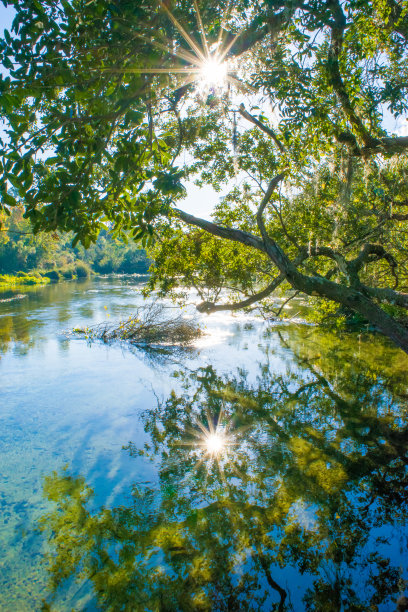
x,y
180,53
222,26
240,85
210,422
184,70
202,427
182,31
227,49
207,66
201,28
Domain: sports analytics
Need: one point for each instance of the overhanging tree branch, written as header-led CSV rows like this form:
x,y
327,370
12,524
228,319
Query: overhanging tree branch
x,y
262,126
229,233
209,307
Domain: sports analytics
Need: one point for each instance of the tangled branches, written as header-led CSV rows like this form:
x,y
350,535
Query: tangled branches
x,y
148,325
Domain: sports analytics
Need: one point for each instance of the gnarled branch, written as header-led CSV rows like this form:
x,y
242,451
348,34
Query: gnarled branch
x,y
209,307
229,233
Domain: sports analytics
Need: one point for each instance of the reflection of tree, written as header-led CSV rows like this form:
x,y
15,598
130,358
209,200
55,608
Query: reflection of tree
x,y
308,476
21,321
11,334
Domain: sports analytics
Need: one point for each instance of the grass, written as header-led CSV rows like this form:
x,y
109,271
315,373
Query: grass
x,y
149,325
72,271
21,279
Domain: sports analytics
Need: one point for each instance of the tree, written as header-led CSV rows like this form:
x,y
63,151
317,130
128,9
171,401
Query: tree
x,y
96,128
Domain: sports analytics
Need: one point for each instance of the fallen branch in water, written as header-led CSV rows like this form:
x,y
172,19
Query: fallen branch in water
x,y
148,325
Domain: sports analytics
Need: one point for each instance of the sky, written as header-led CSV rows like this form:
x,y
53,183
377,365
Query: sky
x,y
6,17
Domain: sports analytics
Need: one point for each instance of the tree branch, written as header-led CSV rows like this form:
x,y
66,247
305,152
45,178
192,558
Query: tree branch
x,y
274,23
387,295
356,298
262,126
333,68
229,233
209,307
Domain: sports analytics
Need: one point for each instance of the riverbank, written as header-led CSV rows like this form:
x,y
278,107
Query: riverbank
x,y
9,281
37,277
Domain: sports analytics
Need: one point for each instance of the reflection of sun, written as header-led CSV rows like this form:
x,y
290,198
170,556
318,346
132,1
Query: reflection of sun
x,y
215,443
215,440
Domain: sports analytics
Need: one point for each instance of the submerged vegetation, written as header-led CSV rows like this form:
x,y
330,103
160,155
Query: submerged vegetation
x,y
149,325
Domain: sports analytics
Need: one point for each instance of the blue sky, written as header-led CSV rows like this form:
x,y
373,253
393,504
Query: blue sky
x,y
6,17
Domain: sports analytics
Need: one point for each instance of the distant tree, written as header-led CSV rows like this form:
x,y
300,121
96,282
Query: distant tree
x,y
97,133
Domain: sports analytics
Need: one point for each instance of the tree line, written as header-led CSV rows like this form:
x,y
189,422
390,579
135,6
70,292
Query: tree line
x,y
22,251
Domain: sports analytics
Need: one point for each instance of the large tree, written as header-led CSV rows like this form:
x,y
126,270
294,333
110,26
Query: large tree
x,y
110,106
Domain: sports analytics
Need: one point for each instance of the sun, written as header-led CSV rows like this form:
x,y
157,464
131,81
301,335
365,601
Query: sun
x,y
208,66
214,73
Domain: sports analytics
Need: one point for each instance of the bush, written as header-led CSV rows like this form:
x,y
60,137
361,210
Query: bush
x,y
53,275
82,270
7,280
68,272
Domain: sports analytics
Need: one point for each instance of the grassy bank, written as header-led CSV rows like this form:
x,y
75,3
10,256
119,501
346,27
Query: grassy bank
x,y
9,281
21,279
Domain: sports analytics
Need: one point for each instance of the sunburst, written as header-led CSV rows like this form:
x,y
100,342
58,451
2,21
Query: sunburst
x,y
215,444
207,65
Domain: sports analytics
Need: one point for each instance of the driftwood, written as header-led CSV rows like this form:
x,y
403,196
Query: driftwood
x,y
149,325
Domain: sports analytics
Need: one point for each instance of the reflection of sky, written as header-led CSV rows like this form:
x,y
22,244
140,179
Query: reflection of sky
x,y
65,402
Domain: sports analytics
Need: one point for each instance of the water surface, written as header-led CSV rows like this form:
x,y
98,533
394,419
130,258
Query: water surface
x,y
303,508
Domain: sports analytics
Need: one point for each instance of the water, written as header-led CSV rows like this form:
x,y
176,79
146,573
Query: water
x,y
304,507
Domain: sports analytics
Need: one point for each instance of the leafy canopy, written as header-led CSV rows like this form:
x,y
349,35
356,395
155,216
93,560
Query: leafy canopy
x,y
98,134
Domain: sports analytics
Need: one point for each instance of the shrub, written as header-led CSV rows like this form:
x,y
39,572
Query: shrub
x,y
68,272
7,280
53,275
82,270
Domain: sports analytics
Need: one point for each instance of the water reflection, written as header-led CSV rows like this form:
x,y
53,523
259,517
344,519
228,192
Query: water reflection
x,y
22,321
305,509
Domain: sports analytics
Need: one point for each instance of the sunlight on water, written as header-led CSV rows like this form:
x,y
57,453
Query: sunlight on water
x,y
215,444
254,426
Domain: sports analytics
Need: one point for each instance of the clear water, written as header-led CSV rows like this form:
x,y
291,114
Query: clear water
x,y
308,498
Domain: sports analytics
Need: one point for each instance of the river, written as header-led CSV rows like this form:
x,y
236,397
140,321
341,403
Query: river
x,y
112,493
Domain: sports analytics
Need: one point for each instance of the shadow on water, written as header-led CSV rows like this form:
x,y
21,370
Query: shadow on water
x,y
288,492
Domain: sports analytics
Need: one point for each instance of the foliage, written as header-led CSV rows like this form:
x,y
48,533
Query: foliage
x,y
53,256
6,280
99,136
